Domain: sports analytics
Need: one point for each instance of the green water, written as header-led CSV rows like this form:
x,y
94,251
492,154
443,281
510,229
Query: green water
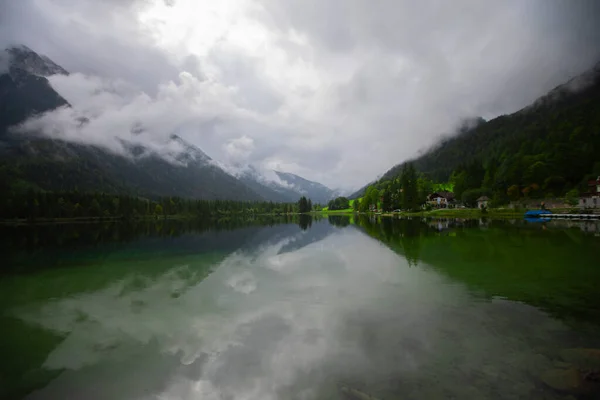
x,y
302,309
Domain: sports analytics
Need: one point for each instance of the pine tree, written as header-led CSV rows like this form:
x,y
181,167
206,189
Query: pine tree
x,y
410,194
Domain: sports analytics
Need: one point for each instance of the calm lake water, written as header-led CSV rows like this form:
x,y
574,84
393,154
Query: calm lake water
x,y
301,309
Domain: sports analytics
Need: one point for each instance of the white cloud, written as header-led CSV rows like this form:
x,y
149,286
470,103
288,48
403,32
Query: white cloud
x,y
335,91
239,149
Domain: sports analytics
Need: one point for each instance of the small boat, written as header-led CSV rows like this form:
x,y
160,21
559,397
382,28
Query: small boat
x,y
536,213
537,219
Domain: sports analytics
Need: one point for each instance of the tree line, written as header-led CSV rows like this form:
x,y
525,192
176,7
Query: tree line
x,y
32,205
550,149
304,205
404,192
339,203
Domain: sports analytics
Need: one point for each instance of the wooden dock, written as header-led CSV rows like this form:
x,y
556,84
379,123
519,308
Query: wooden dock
x,y
571,216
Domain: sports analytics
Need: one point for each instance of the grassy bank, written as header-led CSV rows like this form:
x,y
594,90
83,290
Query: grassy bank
x,y
464,213
324,211
444,213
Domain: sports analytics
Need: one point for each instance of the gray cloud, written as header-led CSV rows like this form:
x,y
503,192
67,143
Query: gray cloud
x,y
97,38
4,62
336,91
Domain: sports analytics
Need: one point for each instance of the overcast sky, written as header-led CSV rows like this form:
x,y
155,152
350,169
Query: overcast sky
x,y
337,91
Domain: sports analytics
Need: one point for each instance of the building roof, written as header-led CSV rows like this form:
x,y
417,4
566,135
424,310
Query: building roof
x,y
483,198
446,195
594,182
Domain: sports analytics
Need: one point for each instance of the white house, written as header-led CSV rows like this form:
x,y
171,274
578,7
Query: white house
x,y
592,198
482,202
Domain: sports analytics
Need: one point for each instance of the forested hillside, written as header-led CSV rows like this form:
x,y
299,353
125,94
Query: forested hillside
x,y
33,162
546,149
39,205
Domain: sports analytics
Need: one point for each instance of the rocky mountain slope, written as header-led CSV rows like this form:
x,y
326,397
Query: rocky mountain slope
x,y
30,161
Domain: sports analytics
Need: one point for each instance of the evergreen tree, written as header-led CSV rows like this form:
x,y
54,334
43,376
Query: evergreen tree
x,y
410,200
386,199
303,205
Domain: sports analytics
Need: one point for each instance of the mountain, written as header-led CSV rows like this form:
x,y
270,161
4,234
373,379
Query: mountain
x,y
317,192
24,89
284,187
35,162
31,161
550,146
361,191
267,188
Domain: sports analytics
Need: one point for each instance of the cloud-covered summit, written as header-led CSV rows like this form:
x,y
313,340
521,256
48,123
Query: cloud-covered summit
x,y
335,91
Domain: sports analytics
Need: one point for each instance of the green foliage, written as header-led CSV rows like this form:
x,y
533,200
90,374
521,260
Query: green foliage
x,y
469,197
55,166
410,191
34,205
370,200
546,149
572,197
386,199
304,205
513,192
442,187
339,203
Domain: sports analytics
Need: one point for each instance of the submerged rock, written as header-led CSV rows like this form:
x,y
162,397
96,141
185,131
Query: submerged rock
x,y
573,380
582,358
563,380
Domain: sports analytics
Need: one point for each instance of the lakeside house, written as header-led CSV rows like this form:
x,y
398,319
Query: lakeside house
x,y
440,199
482,202
591,199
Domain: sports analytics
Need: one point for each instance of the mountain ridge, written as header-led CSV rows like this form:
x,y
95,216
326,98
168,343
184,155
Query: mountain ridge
x,y
555,138
41,163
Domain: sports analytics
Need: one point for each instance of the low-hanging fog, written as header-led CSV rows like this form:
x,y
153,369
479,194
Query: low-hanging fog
x,y
336,91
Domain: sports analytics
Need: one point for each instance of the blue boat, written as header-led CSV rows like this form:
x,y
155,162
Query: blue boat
x,y
536,213
537,220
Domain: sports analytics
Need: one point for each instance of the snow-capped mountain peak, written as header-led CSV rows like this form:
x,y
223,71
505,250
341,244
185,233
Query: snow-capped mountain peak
x,y
23,59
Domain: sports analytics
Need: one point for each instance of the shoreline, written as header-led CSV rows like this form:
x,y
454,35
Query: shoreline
x,y
442,213
71,220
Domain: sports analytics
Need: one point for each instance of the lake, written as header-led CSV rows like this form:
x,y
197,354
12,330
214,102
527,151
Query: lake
x,y
300,308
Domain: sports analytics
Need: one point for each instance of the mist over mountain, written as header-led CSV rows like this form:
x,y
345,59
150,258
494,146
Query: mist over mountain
x,y
551,144
24,87
175,168
333,92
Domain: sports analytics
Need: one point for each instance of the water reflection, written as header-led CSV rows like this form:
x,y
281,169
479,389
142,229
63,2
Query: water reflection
x,y
303,310
404,235
551,266
340,221
304,221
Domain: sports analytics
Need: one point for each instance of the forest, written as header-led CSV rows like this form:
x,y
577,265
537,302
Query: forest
x,y
339,203
34,205
548,149
406,192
